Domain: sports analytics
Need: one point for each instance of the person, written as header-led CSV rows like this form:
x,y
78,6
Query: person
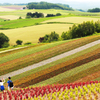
x,y
10,84
1,84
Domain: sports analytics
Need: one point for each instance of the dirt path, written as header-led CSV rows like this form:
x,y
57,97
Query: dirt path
x,y
50,59
13,49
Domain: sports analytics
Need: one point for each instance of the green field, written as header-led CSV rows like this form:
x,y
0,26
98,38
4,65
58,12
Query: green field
x,y
33,32
1,19
22,13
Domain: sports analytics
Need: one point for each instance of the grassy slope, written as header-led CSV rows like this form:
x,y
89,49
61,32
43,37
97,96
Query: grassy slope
x,y
1,19
24,22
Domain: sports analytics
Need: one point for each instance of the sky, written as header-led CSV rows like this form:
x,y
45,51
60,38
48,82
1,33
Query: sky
x,y
77,4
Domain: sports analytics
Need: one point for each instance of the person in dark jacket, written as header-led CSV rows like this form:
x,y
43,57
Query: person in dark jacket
x,y
10,84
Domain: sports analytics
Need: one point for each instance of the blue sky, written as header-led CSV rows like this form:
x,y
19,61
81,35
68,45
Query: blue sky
x,y
61,1
72,3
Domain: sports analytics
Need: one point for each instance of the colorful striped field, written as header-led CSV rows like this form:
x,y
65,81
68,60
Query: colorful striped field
x,y
21,59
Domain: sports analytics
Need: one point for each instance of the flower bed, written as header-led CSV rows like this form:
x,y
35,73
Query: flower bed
x,y
73,91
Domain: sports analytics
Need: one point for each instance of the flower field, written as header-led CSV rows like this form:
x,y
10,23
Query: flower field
x,y
12,63
80,75
73,91
60,68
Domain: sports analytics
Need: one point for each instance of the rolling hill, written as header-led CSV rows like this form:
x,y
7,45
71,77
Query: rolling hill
x,y
73,76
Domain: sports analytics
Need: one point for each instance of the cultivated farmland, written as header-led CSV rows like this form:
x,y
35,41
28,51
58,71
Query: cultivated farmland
x,y
75,20
5,9
33,33
11,17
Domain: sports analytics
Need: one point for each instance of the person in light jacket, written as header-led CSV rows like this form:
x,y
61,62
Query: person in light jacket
x,y
2,84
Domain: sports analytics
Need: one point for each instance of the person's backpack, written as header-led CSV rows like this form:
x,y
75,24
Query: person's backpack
x,y
11,84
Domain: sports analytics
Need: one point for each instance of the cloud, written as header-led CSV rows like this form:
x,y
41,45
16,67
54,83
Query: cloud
x,y
79,0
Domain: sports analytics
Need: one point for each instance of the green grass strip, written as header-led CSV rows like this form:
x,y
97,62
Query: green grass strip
x,y
19,23
97,79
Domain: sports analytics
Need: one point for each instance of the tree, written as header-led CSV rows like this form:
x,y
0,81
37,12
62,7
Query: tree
x,y
50,15
53,36
94,10
46,5
19,42
41,39
46,37
3,39
64,35
20,17
58,14
34,15
50,37
84,29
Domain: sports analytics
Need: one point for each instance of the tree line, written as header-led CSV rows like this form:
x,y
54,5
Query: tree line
x,y
76,31
38,15
34,15
45,5
94,10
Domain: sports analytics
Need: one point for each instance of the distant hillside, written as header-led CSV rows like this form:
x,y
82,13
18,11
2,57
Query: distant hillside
x,y
45,5
9,4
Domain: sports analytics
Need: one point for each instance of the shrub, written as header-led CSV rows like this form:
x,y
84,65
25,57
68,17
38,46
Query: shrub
x,y
28,16
58,14
20,17
50,15
52,37
19,42
27,43
3,40
5,45
41,39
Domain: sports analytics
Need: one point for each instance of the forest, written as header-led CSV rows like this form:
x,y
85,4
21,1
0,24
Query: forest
x,y
45,5
94,10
